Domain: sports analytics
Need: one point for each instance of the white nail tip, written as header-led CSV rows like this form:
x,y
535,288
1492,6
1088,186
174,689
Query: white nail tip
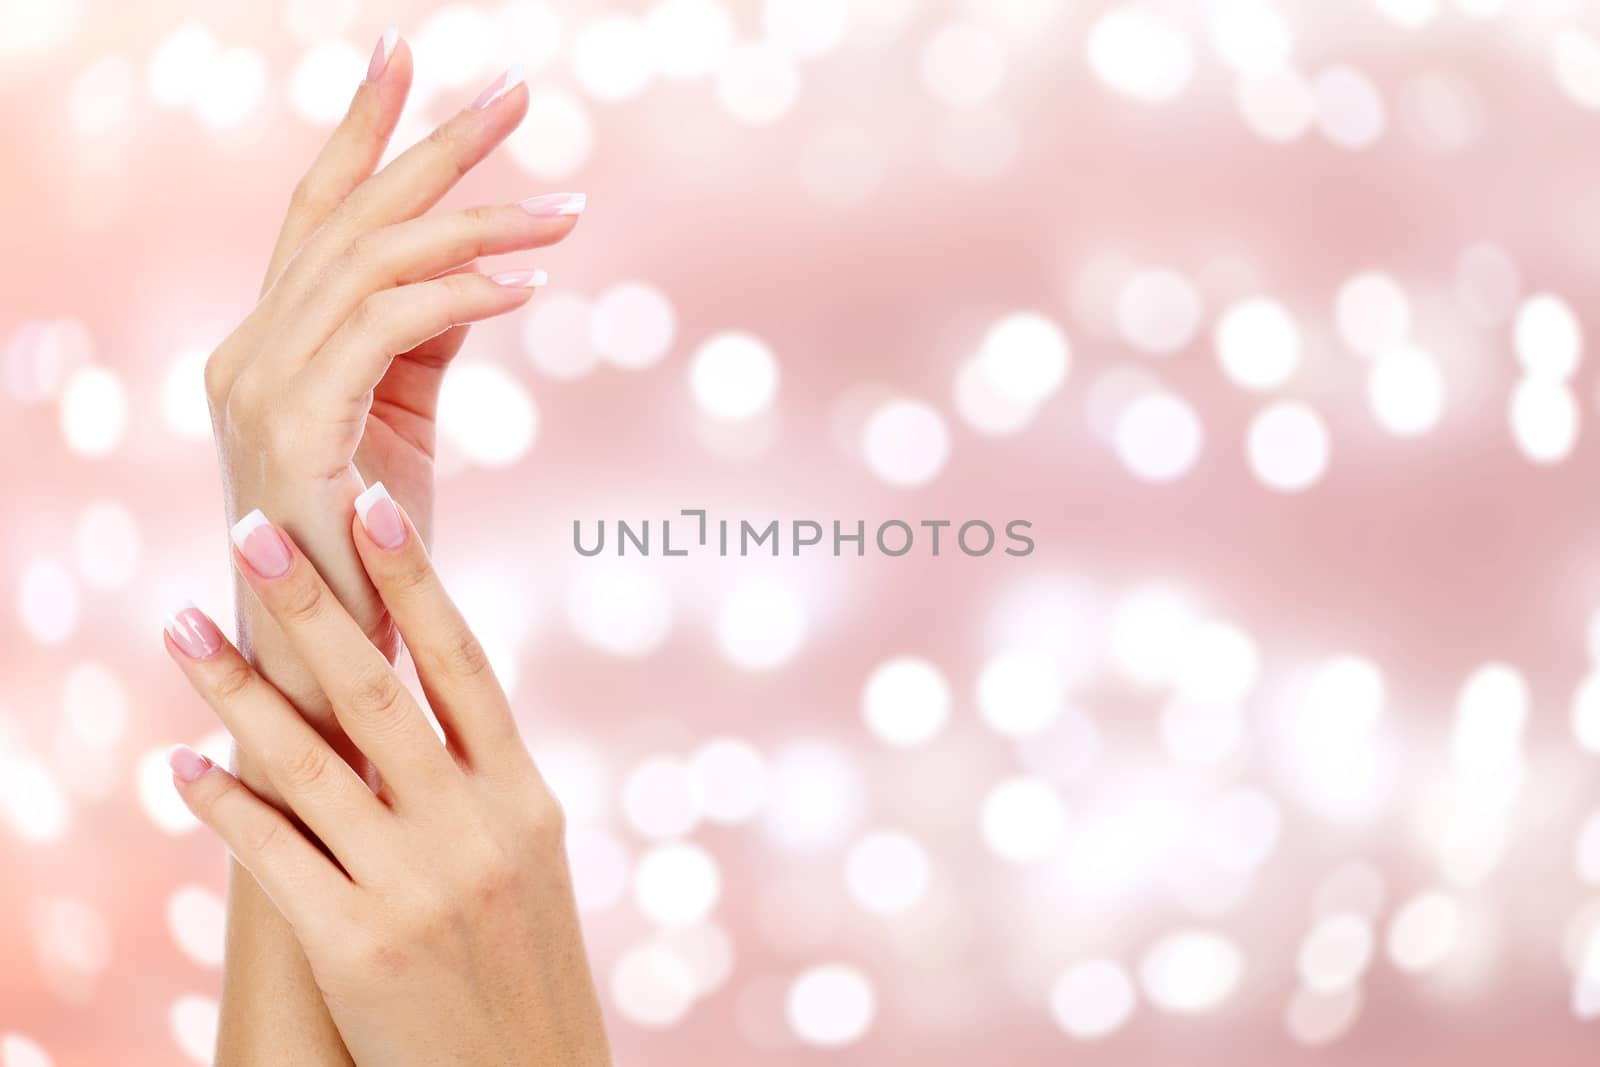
x,y
574,205
170,622
391,37
247,526
374,493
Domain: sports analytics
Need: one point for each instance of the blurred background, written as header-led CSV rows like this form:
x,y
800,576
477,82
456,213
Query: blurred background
x,y
1270,316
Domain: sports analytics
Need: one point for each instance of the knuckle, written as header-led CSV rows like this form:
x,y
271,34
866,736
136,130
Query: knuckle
x,y
446,142
218,378
232,682
264,836
301,602
375,695
546,822
306,768
463,656
368,317
412,580
310,195
481,216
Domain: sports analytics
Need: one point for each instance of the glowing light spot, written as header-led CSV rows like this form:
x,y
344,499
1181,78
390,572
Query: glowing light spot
x,y
659,798
180,64
1258,343
806,28
1544,420
184,407
1405,390
1576,58
1020,693
761,625
1150,630
1092,1000
1158,437
887,872
816,796
1547,338
1158,311
613,57
633,325
1336,952
47,602
556,138
1140,53
158,798
31,800
95,705
831,1006
100,101
758,83
706,949
1316,1018
323,80
556,334
1586,713
311,20
731,780
623,610
193,1022
600,868
1023,820
1251,36
1425,931
197,920
906,701
1350,112
1024,357
963,65
652,986
1288,447
1191,973
691,37
235,85
1412,14
1372,313
905,443
1218,665
1278,107
16,1050
1335,747
486,414
94,411
734,376
453,45
106,546
677,884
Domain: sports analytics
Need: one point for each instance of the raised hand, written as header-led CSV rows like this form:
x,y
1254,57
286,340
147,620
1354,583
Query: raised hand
x,y
440,923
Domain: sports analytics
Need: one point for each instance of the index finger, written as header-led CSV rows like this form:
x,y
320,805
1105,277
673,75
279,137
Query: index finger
x,y
351,154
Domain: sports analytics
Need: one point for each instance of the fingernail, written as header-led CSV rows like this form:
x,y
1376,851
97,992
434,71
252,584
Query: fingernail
x,y
261,545
381,518
520,279
555,204
498,88
186,763
193,631
381,54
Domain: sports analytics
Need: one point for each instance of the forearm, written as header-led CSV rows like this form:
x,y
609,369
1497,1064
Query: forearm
x,y
272,1011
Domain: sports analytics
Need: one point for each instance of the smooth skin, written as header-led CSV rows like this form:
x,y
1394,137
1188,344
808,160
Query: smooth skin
x,y
440,923
332,382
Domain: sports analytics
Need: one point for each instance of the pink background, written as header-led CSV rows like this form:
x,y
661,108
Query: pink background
x,y
922,185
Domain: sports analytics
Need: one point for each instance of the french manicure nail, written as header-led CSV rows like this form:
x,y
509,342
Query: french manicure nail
x,y
193,631
555,204
381,54
498,88
186,763
520,279
260,545
380,517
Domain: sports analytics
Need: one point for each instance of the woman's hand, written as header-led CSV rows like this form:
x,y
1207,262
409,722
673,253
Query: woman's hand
x,y
332,380
440,924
